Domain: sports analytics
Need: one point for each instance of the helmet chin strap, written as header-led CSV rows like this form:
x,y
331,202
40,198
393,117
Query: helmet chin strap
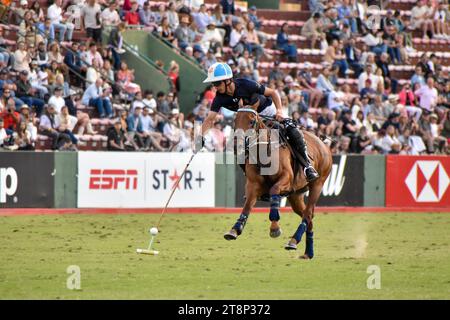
x,y
228,85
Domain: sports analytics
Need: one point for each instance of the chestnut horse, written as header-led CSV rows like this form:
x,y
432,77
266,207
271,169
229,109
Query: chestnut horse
x,y
289,181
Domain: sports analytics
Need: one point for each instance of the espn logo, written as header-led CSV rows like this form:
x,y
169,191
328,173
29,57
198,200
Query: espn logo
x,y
111,179
8,187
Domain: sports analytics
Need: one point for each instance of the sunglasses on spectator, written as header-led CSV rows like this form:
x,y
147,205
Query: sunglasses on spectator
x,y
217,83
6,91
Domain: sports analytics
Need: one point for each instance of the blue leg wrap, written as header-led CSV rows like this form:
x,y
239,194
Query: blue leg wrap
x,y
274,214
240,223
300,231
309,244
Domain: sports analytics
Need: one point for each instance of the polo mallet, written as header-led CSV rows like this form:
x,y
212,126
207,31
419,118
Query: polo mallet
x,y
154,231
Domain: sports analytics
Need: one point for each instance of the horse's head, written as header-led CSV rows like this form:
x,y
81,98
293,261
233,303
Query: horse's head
x,y
246,118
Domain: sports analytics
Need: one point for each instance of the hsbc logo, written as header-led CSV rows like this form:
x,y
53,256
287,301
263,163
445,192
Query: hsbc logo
x,y
427,181
113,179
8,183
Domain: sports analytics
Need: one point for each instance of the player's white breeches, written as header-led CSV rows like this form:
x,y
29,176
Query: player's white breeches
x,y
270,111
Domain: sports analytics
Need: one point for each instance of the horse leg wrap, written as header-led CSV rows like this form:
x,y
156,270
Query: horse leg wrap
x,y
309,244
274,214
240,223
300,231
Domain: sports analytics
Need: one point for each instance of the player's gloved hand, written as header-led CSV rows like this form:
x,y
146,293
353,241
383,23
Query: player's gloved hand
x,y
279,116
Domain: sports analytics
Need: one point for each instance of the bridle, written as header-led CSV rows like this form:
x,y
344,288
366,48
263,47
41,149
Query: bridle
x,y
256,125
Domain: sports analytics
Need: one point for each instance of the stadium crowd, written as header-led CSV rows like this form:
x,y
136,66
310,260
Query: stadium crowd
x,y
49,83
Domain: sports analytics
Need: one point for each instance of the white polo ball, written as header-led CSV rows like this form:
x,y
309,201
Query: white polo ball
x,y
154,231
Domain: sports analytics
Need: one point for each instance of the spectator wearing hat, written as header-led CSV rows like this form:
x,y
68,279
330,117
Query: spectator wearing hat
x,y
285,45
212,39
19,12
27,93
95,96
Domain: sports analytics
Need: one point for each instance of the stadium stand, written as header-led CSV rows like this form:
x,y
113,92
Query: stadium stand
x,y
376,81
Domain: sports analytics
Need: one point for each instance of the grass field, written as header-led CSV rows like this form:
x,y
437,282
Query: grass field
x,y
195,262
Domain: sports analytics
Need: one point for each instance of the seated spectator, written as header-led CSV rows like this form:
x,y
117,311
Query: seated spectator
x,y
10,117
285,45
28,118
183,34
5,52
160,14
172,15
353,55
57,100
367,74
212,39
148,100
95,96
116,137
420,18
312,29
428,95
252,41
55,54
36,81
390,143
323,83
59,23
202,18
21,138
125,78
27,94
48,126
407,100
93,72
147,17
149,123
335,56
140,140
22,58
132,16
166,32
66,124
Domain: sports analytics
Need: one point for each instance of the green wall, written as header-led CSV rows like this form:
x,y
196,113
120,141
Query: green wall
x,y
191,75
374,180
146,75
65,173
225,184
264,4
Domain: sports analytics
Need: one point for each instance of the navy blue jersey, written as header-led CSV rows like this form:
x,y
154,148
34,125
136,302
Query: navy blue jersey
x,y
245,90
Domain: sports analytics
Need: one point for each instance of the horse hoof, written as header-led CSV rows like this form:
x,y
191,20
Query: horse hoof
x,y
290,246
275,233
230,235
305,257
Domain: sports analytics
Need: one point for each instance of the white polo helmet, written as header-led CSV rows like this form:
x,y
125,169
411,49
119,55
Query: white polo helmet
x,y
219,71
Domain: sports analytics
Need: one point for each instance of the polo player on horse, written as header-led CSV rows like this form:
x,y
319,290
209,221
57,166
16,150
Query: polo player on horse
x,y
265,100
